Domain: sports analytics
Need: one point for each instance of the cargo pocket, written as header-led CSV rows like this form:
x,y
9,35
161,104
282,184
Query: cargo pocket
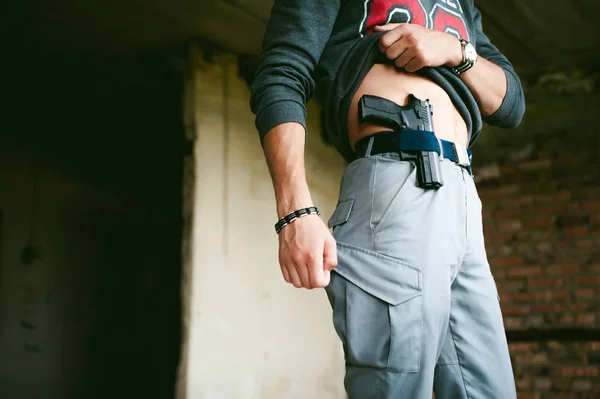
x,y
341,213
377,309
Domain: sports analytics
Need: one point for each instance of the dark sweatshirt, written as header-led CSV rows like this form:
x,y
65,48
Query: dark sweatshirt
x,y
326,47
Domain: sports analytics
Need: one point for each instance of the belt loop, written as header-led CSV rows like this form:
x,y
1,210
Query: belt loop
x,y
441,147
369,146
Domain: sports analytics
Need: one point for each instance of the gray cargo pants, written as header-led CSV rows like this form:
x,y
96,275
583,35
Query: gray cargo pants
x,y
413,298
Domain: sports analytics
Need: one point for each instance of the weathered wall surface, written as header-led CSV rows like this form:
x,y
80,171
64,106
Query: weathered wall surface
x,y
540,187
250,334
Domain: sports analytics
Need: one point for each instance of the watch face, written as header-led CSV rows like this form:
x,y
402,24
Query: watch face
x,y
470,52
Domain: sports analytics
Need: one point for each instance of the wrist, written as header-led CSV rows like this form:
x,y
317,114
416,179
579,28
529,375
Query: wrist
x,y
294,216
455,58
469,58
288,205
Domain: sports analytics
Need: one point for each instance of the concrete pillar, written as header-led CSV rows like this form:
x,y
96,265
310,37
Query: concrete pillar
x,y
247,333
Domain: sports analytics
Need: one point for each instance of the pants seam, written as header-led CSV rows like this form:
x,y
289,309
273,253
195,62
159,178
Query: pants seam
x,y
389,315
466,232
346,319
460,367
379,395
465,185
373,178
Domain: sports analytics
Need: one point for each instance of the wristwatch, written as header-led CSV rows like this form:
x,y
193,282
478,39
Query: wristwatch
x,y
469,54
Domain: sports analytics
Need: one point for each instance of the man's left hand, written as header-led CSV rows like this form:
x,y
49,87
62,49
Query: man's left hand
x,y
413,47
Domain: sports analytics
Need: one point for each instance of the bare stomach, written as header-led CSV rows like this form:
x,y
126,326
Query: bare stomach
x,y
394,84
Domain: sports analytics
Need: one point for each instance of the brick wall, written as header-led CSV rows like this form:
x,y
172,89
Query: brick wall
x,y
556,370
541,197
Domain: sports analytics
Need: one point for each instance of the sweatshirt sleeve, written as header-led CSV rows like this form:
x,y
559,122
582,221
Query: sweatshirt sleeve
x,y
295,38
511,111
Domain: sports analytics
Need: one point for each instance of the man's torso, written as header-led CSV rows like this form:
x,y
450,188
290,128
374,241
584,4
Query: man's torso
x,y
355,22
394,84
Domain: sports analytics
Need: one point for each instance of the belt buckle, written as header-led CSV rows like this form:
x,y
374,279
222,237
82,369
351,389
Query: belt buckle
x,y
462,156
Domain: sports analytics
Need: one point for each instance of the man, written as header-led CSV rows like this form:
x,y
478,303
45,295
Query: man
x,y
413,298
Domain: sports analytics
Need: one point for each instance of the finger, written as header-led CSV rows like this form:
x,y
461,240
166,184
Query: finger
x,y
286,274
404,59
296,282
302,270
315,268
414,65
317,275
386,27
330,258
396,50
390,38
326,277
283,262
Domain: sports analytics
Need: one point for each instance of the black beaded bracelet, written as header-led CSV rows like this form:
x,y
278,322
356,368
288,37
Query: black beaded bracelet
x,y
284,221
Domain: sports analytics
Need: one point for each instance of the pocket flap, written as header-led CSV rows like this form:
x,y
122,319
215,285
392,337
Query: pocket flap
x,y
341,213
384,277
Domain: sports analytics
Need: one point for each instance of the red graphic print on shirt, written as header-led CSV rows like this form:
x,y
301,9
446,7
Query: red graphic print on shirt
x,y
381,12
444,15
446,20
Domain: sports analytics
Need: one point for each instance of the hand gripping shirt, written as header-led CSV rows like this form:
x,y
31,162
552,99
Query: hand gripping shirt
x,y
326,47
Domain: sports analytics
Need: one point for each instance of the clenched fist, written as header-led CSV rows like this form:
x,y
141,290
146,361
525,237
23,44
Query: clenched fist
x,y
307,253
413,47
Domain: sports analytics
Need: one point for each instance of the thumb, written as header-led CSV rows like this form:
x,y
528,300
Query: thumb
x,y
330,259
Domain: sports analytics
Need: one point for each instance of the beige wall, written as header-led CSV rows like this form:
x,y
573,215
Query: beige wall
x,y
249,334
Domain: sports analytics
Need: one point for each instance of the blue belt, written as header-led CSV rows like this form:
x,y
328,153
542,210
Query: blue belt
x,y
414,140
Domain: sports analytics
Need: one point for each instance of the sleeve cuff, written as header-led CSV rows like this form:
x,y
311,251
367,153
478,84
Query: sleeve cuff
x,y
277,113
511,110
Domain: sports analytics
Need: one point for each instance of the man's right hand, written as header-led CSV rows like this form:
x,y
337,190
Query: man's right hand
x,y
307,253
307,250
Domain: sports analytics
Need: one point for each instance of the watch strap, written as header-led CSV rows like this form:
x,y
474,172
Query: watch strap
x,y
466,64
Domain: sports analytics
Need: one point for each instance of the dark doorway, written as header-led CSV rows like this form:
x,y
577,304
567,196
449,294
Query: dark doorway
x,y
90,192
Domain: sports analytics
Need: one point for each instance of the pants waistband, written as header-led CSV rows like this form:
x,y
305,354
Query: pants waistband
x,y
414,141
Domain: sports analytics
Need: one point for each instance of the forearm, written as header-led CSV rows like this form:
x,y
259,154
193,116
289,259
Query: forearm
x,y
487,83
494,82
284,151
485,80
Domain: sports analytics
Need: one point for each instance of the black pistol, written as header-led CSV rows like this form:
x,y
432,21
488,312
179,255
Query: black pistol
x,y
416,115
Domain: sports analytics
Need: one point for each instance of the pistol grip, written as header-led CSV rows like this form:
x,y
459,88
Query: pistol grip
x,y
381,111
